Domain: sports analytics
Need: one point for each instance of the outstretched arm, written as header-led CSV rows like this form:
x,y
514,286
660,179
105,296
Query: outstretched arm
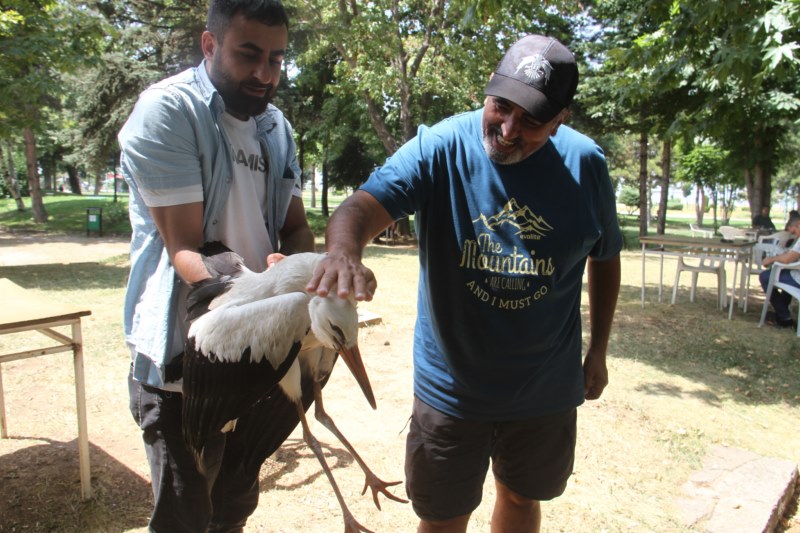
x,y
354,223
604,280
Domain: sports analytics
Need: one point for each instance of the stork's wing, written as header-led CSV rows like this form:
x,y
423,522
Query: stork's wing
x,y
236,355
266,426
216,393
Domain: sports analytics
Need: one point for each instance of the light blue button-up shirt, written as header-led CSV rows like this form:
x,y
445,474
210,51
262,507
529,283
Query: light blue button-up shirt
x,y
172,142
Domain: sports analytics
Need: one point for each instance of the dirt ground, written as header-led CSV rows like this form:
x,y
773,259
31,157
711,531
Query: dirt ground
x,y
295,494
39,484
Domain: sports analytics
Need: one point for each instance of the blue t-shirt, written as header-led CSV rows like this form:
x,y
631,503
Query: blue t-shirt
x,y
502,251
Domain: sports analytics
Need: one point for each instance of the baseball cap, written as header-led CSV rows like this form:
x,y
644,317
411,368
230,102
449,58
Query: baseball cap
x,y
537,73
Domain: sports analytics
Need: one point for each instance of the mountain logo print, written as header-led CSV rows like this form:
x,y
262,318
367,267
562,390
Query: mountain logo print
x,y
522,218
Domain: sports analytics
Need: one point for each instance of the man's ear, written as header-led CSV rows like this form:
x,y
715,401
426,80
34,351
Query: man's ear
x,y
208,43
561,118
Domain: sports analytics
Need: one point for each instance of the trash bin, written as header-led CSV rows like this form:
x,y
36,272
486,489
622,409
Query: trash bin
x,y
94,220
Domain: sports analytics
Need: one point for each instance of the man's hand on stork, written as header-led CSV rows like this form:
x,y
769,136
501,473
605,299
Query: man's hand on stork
x,y
343,273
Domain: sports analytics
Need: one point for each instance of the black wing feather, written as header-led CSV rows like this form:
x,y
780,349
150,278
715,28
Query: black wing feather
x,y
215,393
266,426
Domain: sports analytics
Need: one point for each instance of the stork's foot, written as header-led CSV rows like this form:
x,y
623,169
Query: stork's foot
x,y
379,486
351,525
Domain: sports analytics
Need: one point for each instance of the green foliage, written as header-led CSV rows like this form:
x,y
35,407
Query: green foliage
x,y
674,205
629,197
705,165
41,40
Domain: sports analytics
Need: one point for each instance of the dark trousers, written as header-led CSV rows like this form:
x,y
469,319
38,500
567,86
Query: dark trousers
x,y
780,300
186,500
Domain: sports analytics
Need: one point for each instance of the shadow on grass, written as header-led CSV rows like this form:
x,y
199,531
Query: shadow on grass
x,y
69,277
40,491
734,359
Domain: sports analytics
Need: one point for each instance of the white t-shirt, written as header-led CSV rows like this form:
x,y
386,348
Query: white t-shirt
x,y
242,226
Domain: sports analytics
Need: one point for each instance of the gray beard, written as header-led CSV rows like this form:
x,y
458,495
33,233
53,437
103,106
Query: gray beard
x,y
501,158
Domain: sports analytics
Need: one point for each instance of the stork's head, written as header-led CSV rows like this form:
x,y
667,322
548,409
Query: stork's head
x,y
334,322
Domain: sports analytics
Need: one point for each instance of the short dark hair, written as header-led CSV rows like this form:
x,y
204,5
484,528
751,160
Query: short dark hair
x,y
221,12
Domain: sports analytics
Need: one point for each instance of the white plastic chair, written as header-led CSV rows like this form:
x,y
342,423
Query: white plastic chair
x,y
768,246
708,264
699,231
774,276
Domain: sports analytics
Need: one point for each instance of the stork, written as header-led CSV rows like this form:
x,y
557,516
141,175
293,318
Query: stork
x,y
263,329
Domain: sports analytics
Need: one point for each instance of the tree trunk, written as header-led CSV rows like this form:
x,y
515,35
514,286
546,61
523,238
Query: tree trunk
x,y
73,180
699,203
11,179
758,182
643,212
37,204
98,183
325,211
666,160
48,172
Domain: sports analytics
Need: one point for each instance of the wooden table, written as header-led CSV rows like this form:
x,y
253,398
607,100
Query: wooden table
x,y
740,251
24,311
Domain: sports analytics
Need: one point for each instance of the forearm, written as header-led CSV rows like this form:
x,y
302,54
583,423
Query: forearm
x,y
789,256
604,283
181,229
354,223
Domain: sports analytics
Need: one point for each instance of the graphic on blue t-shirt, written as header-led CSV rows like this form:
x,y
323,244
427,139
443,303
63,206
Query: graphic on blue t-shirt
x,y
528,224
507,266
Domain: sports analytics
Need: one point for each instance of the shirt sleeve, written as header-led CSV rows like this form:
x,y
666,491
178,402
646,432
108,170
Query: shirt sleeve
x,y
611,241
161,151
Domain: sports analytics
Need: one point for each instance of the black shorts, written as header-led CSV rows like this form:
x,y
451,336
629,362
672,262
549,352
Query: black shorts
x,y
447,459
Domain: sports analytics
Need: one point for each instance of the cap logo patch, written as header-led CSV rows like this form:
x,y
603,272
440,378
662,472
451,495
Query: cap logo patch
x,y
535,68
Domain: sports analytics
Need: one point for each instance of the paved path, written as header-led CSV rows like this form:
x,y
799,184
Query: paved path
x,y
738,491
33,248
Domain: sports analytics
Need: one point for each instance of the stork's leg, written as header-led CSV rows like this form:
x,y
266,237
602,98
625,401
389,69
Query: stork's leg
x,y
372,481
351,525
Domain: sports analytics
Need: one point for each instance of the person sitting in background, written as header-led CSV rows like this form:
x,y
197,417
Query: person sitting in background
x,y
779,299
794,213
762,221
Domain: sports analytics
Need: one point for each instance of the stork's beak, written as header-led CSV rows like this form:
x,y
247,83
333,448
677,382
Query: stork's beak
x,y
352,358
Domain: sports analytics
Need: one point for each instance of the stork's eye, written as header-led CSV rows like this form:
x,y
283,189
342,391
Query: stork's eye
x,y
339,333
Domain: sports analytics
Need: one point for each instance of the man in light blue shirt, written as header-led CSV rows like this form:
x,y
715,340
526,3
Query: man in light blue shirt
x,y
207,158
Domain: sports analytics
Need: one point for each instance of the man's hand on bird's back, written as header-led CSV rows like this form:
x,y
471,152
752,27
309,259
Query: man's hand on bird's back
x,y
344,273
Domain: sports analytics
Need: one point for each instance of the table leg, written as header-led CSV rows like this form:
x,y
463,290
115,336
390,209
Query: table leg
x,y
643,276
660,277
80,396
3,427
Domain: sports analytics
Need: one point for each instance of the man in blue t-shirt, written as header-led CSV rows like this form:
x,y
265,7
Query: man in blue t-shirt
x,y
510,208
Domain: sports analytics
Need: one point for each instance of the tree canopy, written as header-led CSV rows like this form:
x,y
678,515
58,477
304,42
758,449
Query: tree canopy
x,y
361,76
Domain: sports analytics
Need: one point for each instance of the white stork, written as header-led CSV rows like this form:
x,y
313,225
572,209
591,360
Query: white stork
x,y
264,329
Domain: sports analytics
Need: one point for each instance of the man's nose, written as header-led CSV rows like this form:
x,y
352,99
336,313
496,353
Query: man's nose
x,y
510,127
266,74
